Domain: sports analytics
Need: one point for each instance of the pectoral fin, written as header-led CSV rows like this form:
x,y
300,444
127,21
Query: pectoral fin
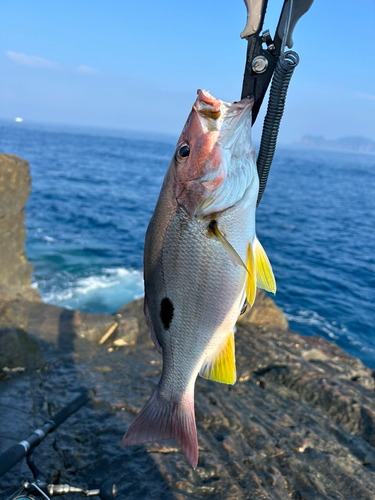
x,y
223,368
232,254
264,274
236,259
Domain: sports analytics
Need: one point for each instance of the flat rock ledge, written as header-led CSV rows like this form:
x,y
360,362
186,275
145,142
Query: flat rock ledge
x,y
299,423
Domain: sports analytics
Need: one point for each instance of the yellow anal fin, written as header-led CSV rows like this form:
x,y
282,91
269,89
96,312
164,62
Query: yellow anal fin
x,y
264,274
223,368
251,279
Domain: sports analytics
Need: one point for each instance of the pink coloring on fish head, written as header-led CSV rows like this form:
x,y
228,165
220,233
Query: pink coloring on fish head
x,y
199,174
199,165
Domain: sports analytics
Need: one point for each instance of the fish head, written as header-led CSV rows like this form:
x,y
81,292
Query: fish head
x,y
214,161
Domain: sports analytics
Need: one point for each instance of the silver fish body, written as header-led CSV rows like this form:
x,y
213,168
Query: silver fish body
x,y
194,291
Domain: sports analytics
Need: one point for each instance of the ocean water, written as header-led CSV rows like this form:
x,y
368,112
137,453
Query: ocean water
x,y
94,193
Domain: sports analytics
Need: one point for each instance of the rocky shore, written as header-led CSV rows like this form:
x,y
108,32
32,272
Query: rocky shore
x,y
299,423
15,269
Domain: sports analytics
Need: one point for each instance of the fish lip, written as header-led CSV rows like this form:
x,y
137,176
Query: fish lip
x,y
218,116
205,98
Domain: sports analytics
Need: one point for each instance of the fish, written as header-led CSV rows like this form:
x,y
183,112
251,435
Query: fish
x,y
202,264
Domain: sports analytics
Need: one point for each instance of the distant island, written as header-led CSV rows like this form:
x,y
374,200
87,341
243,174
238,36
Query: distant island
x,y
352,143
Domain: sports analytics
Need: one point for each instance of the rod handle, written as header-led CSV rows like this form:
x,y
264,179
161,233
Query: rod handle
x,y
11,457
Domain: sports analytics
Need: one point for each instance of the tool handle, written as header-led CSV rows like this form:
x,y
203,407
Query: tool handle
x,y
285,26
255,14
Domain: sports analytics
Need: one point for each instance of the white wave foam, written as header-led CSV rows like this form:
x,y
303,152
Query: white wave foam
x,y
312,318
332,329
104,292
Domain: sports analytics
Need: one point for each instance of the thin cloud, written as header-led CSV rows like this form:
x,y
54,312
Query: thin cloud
x,y
36,62
32,61
86,70
366,96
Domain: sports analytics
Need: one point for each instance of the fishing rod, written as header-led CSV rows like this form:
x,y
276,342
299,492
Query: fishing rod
x,y
267,59
38,488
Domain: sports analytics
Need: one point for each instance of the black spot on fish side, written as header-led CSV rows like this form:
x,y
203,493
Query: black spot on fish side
x,y
166,312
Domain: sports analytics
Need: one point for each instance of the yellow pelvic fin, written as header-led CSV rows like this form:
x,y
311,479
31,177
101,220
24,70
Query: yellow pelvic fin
x,y
264,274
251,279
223,368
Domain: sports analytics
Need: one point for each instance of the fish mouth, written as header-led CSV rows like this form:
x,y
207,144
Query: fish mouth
x,y
219,116
207,106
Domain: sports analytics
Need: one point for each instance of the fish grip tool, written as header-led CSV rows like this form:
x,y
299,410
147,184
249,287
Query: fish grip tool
x,y
267,60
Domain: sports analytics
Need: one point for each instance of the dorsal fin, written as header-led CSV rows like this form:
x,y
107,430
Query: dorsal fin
x,y
223,368
264,274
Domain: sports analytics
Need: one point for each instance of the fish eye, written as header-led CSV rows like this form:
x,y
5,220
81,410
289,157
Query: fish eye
x,y
182,153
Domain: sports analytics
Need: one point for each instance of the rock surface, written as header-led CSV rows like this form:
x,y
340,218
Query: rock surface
x,y
18,351
299,423
15,269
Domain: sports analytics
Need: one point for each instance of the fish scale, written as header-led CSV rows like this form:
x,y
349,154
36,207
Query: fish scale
x,y
205,269
201,257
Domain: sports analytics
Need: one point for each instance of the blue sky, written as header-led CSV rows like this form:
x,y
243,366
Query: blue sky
x,y
137,65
